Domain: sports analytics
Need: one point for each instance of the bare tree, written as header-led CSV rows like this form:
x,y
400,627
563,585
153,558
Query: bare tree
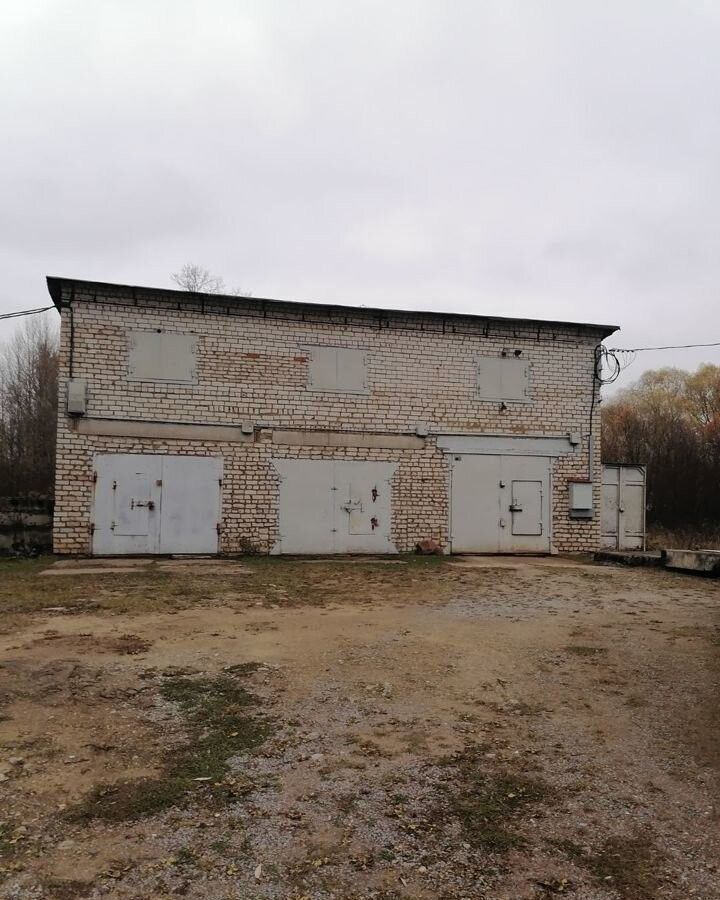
x,y
28,409
669,420
198,280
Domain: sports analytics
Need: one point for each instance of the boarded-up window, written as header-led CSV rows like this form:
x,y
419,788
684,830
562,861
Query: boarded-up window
x,y
337,369
162,356
503,378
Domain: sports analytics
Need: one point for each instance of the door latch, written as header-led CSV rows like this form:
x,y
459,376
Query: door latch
x,y
140,503
515,507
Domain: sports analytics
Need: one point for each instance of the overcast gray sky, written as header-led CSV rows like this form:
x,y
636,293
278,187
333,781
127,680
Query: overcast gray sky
x,y
544,158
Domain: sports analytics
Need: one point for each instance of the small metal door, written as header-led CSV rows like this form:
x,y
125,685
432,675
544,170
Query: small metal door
x,y
133,505
366,505
526,506
622,513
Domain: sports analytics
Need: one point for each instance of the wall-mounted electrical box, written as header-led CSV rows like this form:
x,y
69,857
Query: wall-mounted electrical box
x,y
581,499
76,396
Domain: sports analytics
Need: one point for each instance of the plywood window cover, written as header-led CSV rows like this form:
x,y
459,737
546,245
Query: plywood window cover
x,y
497,396
317,383
137,366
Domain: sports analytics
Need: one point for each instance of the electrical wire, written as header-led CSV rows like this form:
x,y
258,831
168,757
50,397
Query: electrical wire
x,y
669,347
25,312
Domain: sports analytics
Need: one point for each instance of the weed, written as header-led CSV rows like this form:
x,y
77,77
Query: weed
x,y
220,724
489,805
585,650
185,857
629,865
66,890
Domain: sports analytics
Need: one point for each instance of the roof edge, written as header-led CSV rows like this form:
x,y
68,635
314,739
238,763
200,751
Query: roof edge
x,y
56,283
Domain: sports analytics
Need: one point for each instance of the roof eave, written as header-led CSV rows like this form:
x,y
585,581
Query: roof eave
x,y
55,286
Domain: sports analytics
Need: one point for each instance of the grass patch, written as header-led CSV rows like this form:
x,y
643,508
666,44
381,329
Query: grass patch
x,y
490,805
220,721
626,864
585,650
629,865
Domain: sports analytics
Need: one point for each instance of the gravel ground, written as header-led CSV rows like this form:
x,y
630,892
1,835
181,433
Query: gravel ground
x,y
431,729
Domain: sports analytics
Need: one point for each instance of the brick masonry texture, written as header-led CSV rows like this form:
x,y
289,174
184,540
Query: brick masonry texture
x,y
252,368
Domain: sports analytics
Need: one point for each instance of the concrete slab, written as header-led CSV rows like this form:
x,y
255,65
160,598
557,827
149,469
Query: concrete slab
x,y
632,557
205,565
126,562
526,562
706,562
95,570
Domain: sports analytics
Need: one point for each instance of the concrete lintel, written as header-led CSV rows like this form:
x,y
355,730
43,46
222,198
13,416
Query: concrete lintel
x,y
348,439
166,430
510,444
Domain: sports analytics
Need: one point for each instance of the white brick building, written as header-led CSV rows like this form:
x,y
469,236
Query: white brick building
x,y
205,423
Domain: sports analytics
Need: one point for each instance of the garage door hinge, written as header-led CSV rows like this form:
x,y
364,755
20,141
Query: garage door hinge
x,y
218,528
94,476
91,528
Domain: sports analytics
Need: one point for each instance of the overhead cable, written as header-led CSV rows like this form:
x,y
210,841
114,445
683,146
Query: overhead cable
x,y
25,312
668,347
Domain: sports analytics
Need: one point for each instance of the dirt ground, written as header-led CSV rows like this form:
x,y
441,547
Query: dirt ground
x,y
415,728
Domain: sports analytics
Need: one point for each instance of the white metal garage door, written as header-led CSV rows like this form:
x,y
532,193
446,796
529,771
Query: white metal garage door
x,y
622,513
334,506
156,504
500,504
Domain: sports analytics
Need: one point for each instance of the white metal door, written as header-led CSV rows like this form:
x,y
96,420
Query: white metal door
x,y
334,506
190,504
500,504
526,506
149,504
363,507
475,504
307,506
622,513
126,513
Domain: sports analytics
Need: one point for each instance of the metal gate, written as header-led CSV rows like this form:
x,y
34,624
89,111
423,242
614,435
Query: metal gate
x,y
622,515
334,506
152,504
500,504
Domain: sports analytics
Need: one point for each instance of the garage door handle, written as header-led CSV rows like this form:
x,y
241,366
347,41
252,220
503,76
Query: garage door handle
x,y
149,503
515,507
349,507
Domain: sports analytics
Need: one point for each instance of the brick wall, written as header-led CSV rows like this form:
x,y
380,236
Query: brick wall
x,y
251,367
